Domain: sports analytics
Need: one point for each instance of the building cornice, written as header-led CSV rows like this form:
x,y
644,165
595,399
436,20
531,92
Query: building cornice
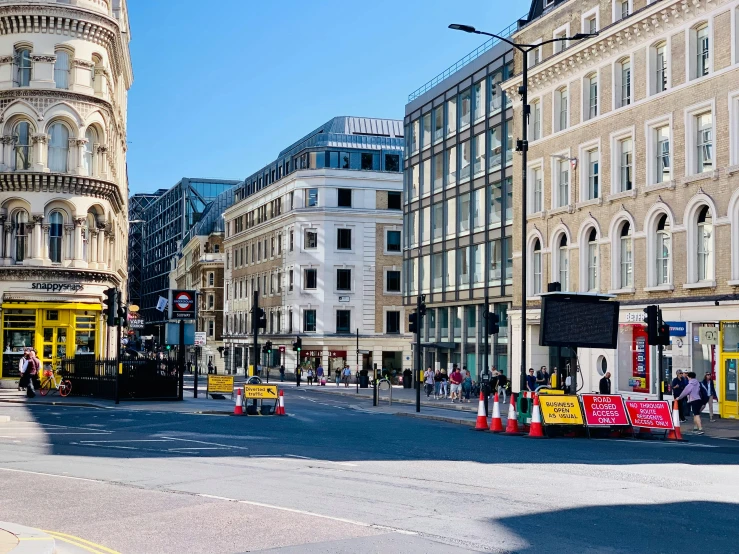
x,y
31,273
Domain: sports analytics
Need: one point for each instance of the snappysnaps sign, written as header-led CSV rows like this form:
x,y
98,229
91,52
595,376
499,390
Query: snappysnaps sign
x,y
604,410
560,410
650,414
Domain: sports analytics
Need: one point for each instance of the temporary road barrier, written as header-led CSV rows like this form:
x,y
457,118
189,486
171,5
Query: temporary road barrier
x,y
561,410
482,420
676,433
536,431
281,404
604,410
512,423
650,414
239,405
496,423
220,384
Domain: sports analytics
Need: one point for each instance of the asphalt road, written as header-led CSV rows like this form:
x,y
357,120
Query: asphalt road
x,y
337,477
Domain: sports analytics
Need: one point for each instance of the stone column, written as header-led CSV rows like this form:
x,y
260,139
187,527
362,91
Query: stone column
x,y
110,248
69,242
6,159
45,248
101,169
7,254
77,148
78,254
36,257
94,246
40,152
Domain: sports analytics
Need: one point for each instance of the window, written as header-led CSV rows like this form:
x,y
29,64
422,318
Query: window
x,y
22,145
451,116
451,166
508,249
415,183
343,321
20,234
495,261
465,160
392,162
561,104
658,55
623,83
535,120
560,44
311,198
534,55
343,239
536,289
438,123
463,265
704,142
495,204
279,244
437,272
56,222
563,263
311,240
479,165
664,248
310,277
702,52
61,69
451,217
480,101
91,142
590,22
591,107
465,105
393,241
705,245
392,281
345,198
593,172
496,148
290,280
211,328
463,212
292,240
211,279
478,209
344,279
593,261
393,201
537,196
437,221
438,172
22,67
58,148
496,93
392,322
621,9
627,257
625,164
211,301
563,183
662,154
426,131
309,321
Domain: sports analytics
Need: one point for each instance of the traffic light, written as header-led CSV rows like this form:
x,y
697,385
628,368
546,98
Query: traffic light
x,y
663,331
268,347
413,323
111,305
168,347
492,321
651,320
298,344
123,315
264,349
422,306
260,318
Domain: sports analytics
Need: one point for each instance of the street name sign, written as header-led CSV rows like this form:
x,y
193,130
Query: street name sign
x,y
560,410
650,414
264,392
604,410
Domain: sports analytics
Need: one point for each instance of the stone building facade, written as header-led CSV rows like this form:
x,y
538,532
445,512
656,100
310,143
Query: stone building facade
x,y
65,72
633,181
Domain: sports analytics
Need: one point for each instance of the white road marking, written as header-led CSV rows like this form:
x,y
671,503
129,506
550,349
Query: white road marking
x,y
320,461
209,443
50,474
197,448
130,440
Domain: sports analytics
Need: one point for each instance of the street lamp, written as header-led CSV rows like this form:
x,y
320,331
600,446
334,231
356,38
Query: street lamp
x,y
523,147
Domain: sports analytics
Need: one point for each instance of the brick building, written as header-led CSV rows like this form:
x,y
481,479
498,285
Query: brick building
x,y
632,181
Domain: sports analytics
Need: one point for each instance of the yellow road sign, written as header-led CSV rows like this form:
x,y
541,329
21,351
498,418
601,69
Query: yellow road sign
x,y
220,383
268,392
561,410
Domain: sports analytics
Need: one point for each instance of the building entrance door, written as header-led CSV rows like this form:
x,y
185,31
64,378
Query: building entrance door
x,y
729,387
54,348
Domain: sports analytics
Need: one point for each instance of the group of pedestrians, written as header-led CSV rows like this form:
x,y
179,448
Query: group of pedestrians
x,y
692,396
456,386
29,367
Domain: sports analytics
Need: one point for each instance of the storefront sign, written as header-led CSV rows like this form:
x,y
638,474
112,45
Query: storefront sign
x,y
282,347
604,410
650,414
337,354
708,335
57,287
310,353
635,317
136,323
677,328
560,410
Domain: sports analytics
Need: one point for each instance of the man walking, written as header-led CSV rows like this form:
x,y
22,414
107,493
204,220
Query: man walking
x,y
298,375
346,375
605,384
456,380
319,375
428,382
282,373
710,392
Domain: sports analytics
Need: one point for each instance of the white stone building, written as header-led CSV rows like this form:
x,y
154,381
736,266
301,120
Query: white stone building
x,y
65,72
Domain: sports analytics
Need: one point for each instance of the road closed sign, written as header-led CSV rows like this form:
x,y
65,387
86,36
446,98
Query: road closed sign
x,y
650,414
560,410
604,410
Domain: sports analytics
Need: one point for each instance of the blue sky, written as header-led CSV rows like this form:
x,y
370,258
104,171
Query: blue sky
x,y
222,86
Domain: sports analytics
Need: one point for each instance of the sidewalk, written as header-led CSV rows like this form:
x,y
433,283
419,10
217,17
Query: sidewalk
x,y
17,539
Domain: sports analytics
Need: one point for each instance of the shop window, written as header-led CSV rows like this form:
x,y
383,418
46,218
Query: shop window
x,y
52,315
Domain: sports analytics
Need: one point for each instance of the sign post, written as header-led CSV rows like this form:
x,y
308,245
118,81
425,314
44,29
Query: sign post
x,y
182,308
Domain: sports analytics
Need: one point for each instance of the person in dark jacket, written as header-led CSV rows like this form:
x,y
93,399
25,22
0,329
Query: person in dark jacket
x,y
678,385
605,384
707,385
531,380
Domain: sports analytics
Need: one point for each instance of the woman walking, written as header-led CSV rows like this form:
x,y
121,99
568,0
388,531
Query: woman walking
x,y
444,389
466,386
428,382
693,393
310,377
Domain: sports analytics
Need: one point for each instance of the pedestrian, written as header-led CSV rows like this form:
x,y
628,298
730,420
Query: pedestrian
x,y
211,369
710,392
319,374
23,364
337,376
678,384
346,375
542,377
466,386
444,389
298,375
456,381
502,386
282,373
310,376
437,384
32,370
692,391
531,380
605,384
428,381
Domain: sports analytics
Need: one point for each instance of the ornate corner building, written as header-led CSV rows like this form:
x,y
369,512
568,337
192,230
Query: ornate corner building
x,y
65,72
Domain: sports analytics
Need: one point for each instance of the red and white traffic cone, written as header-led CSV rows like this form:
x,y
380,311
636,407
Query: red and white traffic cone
x,y
281,404
482,419
239,406
511,427
535,430
676,433
496,424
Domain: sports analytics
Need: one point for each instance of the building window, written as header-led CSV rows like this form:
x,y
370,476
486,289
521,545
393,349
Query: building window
x,y
451,116
344,279
438,124
393,201
625,165
292,240
309,321
211,279
463,213
311,240
392,281
393,241
426,131
563,183
211,328
392,322
705,245
536,262
290,280
704,142
591,104
537,193
311,198
534,55
343,239
702,51
661,140
211,302
590,22
593,172
279,244
465,105
343,321
561,104
496,148
563,263
311,279
496,93
22,145
627,257
663,247
621,9
623,83
345,198
658,57
58,148
20,234
560,44
593,261
61,69
535,120
22,67
56,222
465,161
463,266
479,165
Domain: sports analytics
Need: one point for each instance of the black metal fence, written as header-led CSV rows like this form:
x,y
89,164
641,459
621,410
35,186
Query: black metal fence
x,y
137,380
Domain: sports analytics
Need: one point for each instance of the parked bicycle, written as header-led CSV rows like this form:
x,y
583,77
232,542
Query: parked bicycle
x,y
54,382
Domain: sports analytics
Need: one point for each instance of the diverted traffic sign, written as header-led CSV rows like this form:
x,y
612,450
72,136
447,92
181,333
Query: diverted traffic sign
x,y
264,392
220,384
650,414
560,410
604,410
182,305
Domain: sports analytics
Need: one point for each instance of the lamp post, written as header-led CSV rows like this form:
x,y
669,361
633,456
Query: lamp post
x,y
522,146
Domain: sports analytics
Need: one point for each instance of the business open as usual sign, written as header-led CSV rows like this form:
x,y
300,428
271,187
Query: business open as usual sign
x,y
182,305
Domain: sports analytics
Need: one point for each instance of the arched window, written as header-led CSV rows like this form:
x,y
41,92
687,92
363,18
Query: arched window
x,y
664,250
211,279
61,69
537,267
627,257
89,154
56,224
58,148
20,234
22,145
563,262
705,245
592,261
22,67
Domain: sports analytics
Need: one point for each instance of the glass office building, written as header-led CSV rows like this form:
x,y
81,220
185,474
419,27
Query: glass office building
x,y
458,212
137,205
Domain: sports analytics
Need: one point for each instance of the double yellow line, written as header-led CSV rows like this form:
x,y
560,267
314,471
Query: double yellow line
x,y
81,543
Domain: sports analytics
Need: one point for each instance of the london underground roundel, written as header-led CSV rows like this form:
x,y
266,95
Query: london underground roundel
x,y
183,304
183,301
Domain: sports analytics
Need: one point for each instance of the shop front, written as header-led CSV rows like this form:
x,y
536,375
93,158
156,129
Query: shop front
x,y
727,385
55,330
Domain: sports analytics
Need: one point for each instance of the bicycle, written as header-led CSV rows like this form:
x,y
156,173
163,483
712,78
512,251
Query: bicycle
x,y
51,383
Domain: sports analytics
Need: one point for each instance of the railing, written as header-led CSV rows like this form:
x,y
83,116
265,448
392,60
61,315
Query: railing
x,y
476,53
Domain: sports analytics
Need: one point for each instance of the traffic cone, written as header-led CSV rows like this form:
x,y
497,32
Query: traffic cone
x,y
676,433
512,423
496,424
535,430
482,419
281,404
239,406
